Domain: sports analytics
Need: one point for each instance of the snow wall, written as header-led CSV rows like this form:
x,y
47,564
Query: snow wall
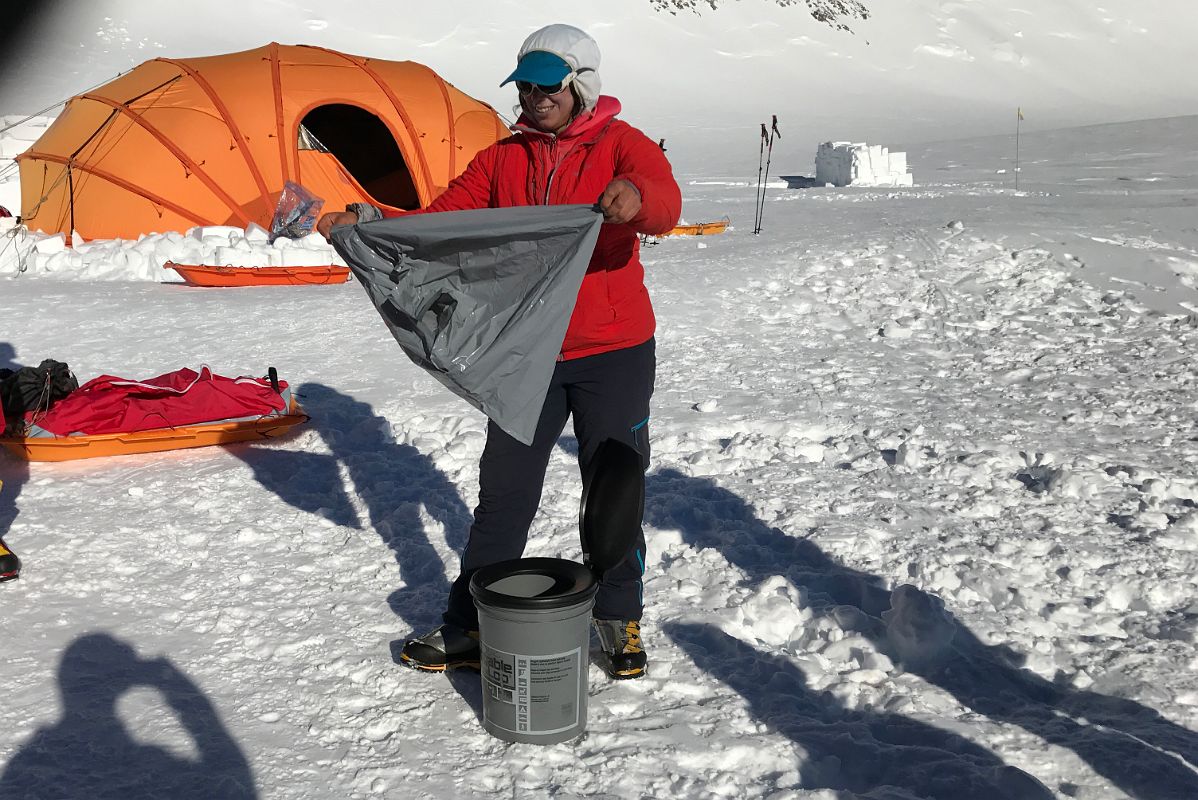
x,y
848,164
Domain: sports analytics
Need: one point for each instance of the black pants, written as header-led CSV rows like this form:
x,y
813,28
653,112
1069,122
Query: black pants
x,y
608,396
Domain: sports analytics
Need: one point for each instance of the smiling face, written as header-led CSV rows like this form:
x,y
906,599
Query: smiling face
x,y
549,113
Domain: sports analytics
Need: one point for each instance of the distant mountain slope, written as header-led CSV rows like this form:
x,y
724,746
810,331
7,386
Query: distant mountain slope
x,y
917,70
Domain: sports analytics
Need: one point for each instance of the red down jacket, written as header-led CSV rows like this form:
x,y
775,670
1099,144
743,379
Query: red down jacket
x,y
534,168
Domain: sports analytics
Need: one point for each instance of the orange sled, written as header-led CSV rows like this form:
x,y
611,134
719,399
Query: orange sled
x,y
69,448
698,229
199,275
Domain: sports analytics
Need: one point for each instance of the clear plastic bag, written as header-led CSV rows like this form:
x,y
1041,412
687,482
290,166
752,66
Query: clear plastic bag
x,y
295,215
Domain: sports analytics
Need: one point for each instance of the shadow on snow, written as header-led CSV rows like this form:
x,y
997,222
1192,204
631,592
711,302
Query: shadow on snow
x,y
394,482
90,751
848,750
1131,745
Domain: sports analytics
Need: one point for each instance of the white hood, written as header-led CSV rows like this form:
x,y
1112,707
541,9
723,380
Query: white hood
x,y
577,49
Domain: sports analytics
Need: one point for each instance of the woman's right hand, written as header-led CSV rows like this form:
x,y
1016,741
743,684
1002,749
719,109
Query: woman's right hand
x,y
334,218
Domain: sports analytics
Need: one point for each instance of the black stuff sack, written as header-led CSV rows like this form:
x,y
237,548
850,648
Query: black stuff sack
x,y
33,390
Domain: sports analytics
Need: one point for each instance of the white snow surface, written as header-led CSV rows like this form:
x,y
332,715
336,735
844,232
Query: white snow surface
x,y
922,516
923,509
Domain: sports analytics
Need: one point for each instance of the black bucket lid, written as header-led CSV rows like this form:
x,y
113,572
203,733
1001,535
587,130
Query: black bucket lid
x,y
613,505
548,583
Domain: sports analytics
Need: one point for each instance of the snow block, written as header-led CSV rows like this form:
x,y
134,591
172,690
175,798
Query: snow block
x,y
302,257
860,164
224,233
51,244
256,234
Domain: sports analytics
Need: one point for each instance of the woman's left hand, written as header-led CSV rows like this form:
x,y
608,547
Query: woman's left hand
x,y
620,202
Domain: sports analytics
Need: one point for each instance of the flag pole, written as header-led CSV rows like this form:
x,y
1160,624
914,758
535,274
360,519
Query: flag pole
x,y
1018,120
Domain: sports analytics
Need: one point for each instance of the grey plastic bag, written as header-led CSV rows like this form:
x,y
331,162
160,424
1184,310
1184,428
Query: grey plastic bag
x,y
480,299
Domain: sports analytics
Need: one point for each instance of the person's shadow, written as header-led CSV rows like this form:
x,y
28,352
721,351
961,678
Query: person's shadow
x,y
855,751
394,482
90,752
8,356
1131,745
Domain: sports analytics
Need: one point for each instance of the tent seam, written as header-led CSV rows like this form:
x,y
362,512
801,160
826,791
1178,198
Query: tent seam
x,y
449,118
121,182
238,138
186,160
276,85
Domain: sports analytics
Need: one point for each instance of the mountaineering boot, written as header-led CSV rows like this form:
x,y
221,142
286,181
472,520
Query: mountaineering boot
x,y
623,656
447,647
10,565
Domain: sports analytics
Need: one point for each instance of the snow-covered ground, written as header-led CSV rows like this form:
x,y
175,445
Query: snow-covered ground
x,y
922,518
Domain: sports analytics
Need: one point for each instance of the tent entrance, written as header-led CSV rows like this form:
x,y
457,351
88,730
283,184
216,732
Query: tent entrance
x,y
365,147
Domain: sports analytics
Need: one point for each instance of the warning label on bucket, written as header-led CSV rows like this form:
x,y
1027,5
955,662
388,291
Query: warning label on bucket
x,y
542,690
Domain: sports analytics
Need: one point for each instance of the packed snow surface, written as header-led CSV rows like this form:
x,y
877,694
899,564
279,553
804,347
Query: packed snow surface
x,y
922,515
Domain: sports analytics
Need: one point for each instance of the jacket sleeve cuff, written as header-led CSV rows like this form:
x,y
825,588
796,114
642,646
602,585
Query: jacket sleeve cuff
x,y
365,211
655,217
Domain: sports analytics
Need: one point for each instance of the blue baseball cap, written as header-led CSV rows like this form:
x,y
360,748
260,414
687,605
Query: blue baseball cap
x,y
540,66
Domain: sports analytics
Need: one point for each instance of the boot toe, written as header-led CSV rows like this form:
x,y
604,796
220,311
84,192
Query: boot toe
x,y
10,566
442,649
624,666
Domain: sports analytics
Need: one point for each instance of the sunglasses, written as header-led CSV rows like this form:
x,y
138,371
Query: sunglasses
x,y
525,88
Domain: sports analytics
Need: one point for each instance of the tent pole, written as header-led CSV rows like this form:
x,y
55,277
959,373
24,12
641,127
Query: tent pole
x,y
71,202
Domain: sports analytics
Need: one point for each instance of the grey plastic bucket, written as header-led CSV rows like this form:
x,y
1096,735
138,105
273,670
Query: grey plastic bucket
x,y
534,633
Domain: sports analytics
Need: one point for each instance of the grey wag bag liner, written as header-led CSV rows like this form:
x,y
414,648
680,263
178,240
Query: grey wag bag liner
x,y
480,299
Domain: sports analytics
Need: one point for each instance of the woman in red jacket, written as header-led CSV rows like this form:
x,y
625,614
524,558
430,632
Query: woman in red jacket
x,y
568,148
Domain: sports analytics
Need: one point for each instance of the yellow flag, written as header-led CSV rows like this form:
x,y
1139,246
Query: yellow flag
x,y
1019,111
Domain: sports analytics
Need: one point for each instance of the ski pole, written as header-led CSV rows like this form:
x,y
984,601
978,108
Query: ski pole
x,y
760,159
769,155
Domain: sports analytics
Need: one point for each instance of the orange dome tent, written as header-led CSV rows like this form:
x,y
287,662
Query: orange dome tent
x,y
175,143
